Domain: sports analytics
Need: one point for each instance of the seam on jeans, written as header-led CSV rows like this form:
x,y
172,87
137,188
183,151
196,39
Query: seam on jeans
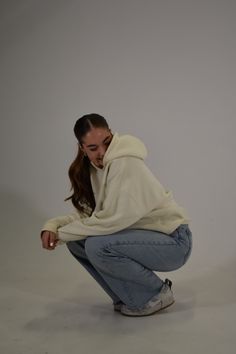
x,y
125,243
130,297
112,247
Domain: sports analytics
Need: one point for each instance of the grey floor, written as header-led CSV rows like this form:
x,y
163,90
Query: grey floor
x,y
50,304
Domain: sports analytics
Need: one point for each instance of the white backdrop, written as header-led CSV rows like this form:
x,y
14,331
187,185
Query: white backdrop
x,y
163,71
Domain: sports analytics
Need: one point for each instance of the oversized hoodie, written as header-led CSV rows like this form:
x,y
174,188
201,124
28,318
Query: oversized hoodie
x,y
127,195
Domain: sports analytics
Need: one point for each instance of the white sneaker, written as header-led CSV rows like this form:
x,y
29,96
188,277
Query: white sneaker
x,y
158,302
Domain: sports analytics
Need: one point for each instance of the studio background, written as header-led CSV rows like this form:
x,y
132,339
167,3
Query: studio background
x,y
163,71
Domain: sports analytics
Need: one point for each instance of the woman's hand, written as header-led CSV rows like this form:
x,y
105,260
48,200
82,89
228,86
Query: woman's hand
x,y
49,240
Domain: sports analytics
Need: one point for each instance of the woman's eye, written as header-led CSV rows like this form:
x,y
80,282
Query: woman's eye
x,y
108,143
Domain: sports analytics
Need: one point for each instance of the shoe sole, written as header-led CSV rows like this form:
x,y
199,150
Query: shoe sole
x,y
117,309
148,314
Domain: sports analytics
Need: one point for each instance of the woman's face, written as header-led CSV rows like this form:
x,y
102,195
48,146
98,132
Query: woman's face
x,y
95,144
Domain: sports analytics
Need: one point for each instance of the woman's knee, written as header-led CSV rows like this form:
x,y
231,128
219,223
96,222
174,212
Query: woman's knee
x,y
76,247
69,245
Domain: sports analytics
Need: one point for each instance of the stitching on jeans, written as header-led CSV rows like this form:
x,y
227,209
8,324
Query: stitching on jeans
x,y
141,243
130,297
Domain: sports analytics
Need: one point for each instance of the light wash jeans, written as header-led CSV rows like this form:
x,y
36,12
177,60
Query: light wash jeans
x,y
123,262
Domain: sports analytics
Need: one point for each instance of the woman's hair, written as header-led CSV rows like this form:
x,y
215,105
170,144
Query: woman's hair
x,y
79,171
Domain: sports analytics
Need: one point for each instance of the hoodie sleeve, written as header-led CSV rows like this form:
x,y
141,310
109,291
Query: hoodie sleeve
x,y
128,196
59,221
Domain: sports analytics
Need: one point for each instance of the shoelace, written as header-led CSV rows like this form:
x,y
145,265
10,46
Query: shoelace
x,y
166,286
168,282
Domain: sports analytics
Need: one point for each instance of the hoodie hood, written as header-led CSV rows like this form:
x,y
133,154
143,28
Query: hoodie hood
x,y
123,146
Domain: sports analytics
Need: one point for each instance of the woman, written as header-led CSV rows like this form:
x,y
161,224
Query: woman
x,y
126,225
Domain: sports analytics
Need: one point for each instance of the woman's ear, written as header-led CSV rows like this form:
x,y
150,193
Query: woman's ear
x,y
82,149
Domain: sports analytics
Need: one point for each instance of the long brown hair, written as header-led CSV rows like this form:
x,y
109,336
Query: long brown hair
x,y
79,171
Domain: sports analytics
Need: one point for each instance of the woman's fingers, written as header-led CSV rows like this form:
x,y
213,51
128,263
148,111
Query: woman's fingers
x,y
49,240
45,238
52,240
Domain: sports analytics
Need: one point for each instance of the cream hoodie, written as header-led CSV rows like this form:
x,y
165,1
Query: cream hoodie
x,y
127,195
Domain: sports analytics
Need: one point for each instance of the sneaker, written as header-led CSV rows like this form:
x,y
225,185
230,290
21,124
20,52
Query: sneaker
x,y
117,306
158,302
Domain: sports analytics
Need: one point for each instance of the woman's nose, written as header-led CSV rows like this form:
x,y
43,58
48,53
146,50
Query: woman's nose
x,y
101,151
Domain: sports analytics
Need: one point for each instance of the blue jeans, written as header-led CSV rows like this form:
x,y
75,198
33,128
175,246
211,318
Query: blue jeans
x,y
123,262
